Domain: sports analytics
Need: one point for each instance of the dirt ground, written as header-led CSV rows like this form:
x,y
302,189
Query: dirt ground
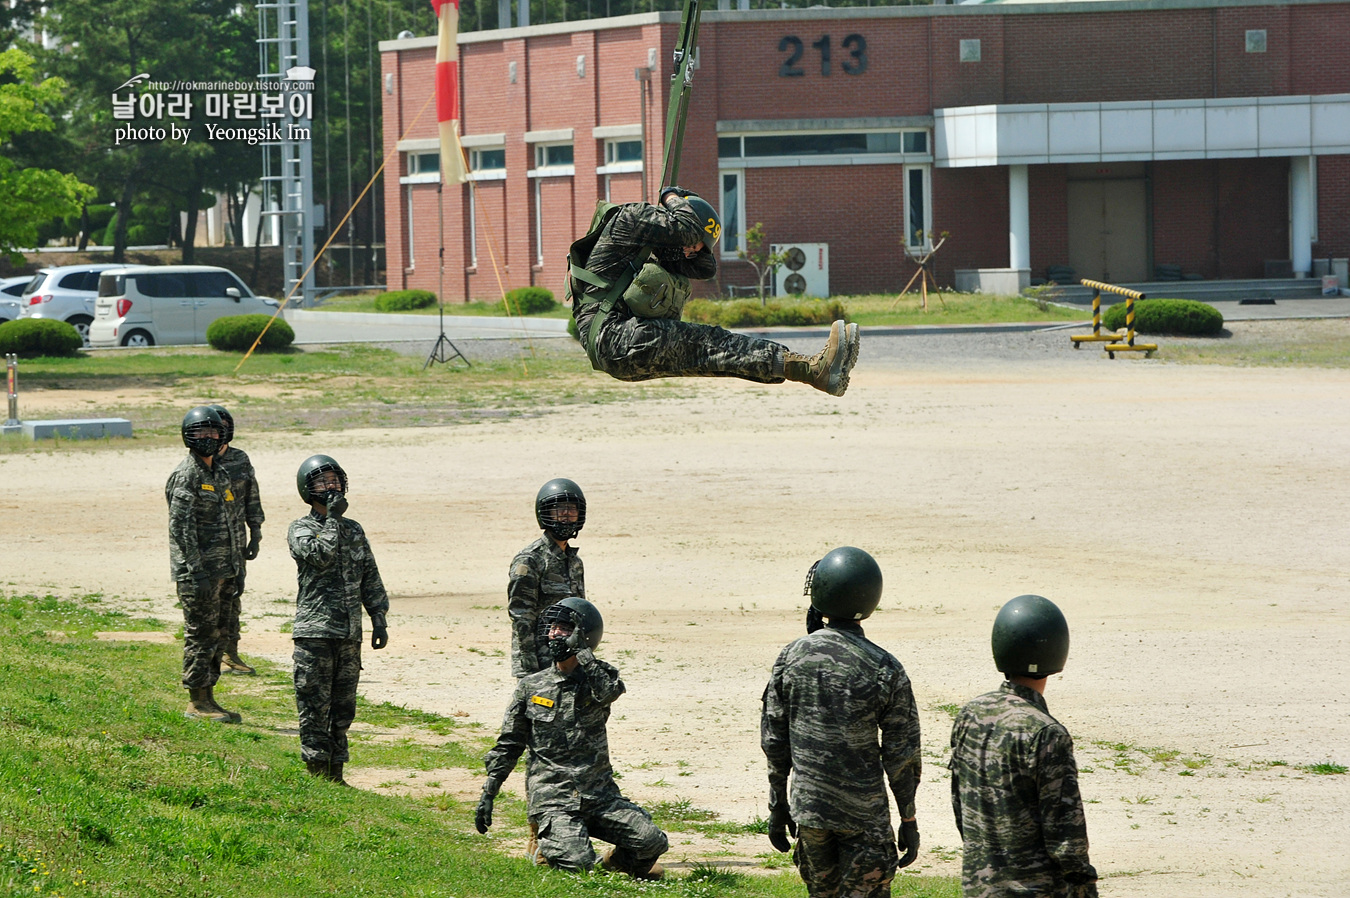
x,y
1190,521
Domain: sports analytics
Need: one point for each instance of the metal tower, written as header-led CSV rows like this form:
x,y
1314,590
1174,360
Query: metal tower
x,y
288,164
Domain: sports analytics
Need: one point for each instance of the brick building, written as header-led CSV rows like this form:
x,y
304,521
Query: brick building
x,y
1116,137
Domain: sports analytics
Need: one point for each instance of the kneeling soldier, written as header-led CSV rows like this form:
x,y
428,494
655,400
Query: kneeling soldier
x,y
337,577
559,714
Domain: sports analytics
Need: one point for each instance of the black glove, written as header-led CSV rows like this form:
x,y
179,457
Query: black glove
x,y
675,190
482,818
379,634
908,839
780,824
335,503
577,640
814,619
203,586
254,541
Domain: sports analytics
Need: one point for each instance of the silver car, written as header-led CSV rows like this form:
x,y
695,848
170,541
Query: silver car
x,y
65,293
11,289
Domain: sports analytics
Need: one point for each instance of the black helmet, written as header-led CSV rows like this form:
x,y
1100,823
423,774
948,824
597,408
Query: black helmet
x,y
708,219
196,423
227,435
578,612
311,468
846,583
1031,637
557,492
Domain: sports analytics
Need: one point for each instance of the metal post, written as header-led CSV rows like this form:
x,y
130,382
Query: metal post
x,y
644,80
12,372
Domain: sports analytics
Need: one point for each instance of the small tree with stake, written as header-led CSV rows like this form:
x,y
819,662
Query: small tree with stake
x,y
757,253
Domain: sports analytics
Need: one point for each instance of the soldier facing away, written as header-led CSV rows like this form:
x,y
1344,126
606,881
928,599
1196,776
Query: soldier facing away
x,y
637,335
248,516
337,577
545,572
559,714
203,553
1014,780
830,694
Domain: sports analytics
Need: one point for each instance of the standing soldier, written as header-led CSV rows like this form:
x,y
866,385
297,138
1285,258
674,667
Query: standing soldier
x,y
560,715
545,572
248,513
627,308
1014,780
830,694
203,552
337,576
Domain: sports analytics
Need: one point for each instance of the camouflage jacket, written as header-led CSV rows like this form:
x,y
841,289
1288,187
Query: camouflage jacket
x,y
831,692
247,508
541,575
337,575
561,719
642,224
202,537
1015,794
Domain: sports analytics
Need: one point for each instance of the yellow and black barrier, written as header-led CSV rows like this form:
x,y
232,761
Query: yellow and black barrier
x,y
1115,342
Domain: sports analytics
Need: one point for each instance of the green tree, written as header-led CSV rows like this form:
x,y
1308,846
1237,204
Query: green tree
x,y
757,253
29,196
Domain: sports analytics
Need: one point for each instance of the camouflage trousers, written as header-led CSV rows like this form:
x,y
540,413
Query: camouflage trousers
x,y
630,348
565,835
327,672
205,620
837,864
230,636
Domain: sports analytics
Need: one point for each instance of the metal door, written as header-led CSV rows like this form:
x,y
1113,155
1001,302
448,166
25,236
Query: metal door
x,y
1108,232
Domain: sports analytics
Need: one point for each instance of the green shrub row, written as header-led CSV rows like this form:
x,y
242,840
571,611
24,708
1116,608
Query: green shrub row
x,y
405,300
236,333
529,301
1178,317
749,312
33,337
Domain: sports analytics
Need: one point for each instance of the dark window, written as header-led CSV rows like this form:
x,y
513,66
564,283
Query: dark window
x,y
625,151
161,286
215,283
820,144
35,284
731,209
74,281
555,154
111,285
15,289
916,141
916,224
490,160
728,147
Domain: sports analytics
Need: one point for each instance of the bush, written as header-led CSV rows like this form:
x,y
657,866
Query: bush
x,y
33,337
405,300
572,329
529,301
749,313
236,333
1178,317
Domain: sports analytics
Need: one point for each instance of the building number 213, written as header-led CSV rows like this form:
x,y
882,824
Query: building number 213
x,y
854,45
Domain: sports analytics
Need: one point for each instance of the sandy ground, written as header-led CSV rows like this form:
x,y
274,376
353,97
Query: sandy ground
x,y
1190,521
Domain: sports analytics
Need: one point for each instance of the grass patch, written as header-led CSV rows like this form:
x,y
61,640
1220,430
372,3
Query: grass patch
x,y
365,302
106,789
956,308
1325,768
328,389
1322,343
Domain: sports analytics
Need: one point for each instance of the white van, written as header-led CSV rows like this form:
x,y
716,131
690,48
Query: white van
x,y
147,305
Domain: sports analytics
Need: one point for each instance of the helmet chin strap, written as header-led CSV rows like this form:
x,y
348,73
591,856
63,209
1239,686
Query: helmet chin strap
x,y
562,532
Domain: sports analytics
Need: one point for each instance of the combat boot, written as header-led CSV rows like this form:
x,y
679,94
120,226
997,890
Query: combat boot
x,y
209,693
200,708
233,664
335,773
828,369
317,767
656,871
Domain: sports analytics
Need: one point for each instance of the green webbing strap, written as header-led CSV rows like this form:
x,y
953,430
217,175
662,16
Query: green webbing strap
x,y
611,296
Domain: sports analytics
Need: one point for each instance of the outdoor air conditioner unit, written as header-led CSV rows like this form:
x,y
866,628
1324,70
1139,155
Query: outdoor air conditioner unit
x,y
806,271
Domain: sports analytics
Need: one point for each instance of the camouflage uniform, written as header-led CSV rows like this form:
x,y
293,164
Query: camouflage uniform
x,y
203,546
571,793
828,696
541,575
1015,794
248,520
631,348
337,576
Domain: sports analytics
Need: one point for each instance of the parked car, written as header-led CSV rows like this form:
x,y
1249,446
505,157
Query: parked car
x,y
164,304
65,293
11,289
